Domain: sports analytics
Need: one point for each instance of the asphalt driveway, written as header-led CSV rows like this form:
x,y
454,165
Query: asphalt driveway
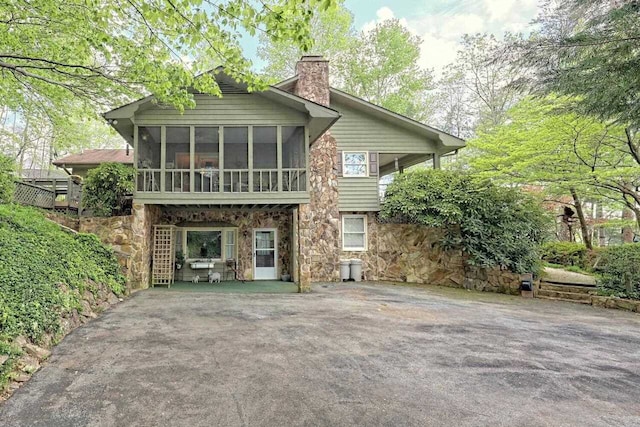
x,y
344,355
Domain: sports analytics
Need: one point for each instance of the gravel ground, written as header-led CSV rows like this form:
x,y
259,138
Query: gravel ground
x,y
357,354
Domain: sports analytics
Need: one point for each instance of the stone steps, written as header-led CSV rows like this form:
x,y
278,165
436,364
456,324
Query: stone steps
x,y
546,286
565,292
578,301
571,296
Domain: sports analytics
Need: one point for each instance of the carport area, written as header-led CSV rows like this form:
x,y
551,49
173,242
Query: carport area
x,y
346,354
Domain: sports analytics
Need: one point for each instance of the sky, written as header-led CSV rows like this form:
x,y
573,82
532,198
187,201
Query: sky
x,y
441,23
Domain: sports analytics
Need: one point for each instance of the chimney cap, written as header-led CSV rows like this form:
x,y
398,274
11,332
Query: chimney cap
x,y
313,58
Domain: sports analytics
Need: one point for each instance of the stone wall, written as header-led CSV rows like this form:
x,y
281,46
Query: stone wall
x,y
131,236
68,221
319,221
410,253
144,217
115,232
246,221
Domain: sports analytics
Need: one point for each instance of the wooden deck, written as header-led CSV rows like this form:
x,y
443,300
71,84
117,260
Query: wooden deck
x,y
49,193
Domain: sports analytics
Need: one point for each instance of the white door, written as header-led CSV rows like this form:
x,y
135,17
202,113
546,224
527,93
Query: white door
x,y
265,253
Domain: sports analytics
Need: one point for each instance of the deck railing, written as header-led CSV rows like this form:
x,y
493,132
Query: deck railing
x,y
231,180
236,180
148,180
33,195
294,179
177,180
265,180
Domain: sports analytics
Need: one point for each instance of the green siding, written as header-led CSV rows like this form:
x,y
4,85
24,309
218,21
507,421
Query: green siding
x,y
358,194
231,109
358,131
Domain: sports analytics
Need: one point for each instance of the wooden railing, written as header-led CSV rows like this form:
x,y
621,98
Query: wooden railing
x,y
177,180
265,180
294,179
235,180
33,195
148,180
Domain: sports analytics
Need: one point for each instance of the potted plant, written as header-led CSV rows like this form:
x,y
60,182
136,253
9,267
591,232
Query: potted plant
x,y
179,260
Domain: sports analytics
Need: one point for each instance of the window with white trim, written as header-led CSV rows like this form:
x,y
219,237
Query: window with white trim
x,y
355,163
354,232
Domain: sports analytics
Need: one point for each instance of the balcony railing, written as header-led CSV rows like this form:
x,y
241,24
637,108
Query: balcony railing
x,y
177,180
148,180
265,180
236,180
294,179
231,180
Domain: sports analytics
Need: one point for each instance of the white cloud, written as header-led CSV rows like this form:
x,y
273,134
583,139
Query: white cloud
x,y
509,10
442,31
459,25
385,14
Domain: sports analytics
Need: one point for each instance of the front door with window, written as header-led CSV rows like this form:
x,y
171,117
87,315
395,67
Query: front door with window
x,y
265,253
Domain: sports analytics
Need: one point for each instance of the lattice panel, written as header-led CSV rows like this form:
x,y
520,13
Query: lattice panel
x,y
163,255
28,194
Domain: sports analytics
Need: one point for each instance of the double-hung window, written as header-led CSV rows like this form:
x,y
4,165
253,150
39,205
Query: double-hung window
x,y
354,232
354,163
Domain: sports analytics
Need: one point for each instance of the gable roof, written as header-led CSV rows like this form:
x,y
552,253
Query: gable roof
x,y
95,157
447,140
321,117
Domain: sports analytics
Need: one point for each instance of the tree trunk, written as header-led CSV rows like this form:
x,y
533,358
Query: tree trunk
x,y
586,238
627,232
602,239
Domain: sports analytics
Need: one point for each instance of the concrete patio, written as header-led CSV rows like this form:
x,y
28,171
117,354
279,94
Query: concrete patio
x,y
347,354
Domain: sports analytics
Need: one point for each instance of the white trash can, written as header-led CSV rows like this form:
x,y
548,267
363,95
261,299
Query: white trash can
x,y
345,269
356,270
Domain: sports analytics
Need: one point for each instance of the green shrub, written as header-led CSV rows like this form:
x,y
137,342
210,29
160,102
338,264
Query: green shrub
x,y
565,254
105,188
619,271
493,226
44,272
7,178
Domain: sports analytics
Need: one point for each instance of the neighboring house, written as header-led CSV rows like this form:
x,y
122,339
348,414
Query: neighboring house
x,y
279,181
37,174
79,164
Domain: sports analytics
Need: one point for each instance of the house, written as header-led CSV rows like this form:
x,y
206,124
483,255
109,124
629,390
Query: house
x,y
279,181
80,163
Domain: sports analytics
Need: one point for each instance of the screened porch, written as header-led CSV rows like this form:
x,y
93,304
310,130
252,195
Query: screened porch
x,y
193,164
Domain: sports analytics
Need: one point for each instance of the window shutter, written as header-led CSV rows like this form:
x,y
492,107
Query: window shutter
x,y
339,164
373,164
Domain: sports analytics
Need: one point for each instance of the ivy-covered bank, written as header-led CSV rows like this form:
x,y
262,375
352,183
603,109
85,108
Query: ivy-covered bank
x,y
51,280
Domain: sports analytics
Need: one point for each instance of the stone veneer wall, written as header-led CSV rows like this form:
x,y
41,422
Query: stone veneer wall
x,y
116,232
131,237
319,220
144,218
246,221
410,253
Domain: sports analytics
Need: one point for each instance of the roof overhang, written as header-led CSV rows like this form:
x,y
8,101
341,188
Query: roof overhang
x,y
320,119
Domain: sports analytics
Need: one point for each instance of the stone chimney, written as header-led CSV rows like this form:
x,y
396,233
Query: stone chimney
x,y
318,220
313,79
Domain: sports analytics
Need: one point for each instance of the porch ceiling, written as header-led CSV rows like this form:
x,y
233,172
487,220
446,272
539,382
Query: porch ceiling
x,y
405,160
